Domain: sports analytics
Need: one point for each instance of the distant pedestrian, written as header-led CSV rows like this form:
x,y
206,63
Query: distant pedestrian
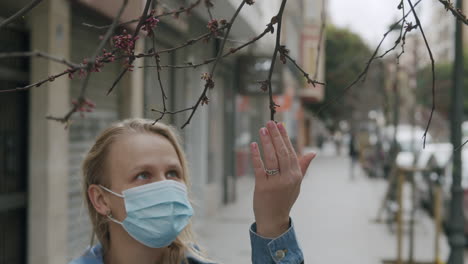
x,y
320,140
353,154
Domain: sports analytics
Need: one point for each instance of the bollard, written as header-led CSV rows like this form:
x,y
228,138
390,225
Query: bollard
x,y
437,216
400,182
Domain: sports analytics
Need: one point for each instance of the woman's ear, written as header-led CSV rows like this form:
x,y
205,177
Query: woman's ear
x,y
98,199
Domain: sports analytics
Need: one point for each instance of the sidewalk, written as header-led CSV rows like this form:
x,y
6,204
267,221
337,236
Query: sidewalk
x,y
333,218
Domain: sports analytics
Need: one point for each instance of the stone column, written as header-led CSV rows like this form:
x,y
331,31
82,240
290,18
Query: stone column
x,y
49,23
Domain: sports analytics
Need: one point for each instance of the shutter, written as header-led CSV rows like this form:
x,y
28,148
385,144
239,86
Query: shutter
x,y
13,148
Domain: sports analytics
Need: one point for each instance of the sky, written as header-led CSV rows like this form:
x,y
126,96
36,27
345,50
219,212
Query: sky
x,y
368,18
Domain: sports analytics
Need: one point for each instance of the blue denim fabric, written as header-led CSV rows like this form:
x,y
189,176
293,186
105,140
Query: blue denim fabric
x,y
284,249
264,250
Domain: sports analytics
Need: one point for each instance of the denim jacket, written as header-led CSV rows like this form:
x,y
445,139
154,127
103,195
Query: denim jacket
x,y
281,250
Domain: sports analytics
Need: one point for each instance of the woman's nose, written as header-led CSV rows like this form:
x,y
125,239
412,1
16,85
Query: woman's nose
x,y
159,177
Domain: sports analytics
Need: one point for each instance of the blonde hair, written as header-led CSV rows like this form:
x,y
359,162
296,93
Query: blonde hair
x,y
94,173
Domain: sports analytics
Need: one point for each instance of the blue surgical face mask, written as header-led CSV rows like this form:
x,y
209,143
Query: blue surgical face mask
x,y
156,212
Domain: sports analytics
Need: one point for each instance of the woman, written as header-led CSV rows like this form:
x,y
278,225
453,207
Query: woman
x,y
136,182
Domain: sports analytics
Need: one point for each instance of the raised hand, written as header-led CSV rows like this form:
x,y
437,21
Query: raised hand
x,y
278,179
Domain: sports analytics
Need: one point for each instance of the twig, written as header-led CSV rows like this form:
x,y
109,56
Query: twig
x,y
172,112
174,12
306,75
36,84
401,36
158,71
279,18
366,68
319,44
418,23
220,53
209,5
455,11
20,13
407,29
39,54
207,61
185,44
84,84
143,17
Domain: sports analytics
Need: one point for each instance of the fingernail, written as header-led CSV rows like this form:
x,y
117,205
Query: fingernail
x,y
253,146
271,124
281,126
263,131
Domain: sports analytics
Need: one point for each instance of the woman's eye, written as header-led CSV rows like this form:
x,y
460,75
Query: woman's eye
x,y
173,174
142,176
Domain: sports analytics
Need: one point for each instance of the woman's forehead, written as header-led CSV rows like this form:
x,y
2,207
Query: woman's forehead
x,y
137,149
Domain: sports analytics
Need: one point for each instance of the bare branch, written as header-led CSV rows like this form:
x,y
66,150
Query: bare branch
x,y
158,71
36,84
40,54
455,11
207,61
209,5
185,44
306,75
433,69
319,45
403,20
172,113
279,18
84,84
203,97
366,68
20,13
174,12
143,17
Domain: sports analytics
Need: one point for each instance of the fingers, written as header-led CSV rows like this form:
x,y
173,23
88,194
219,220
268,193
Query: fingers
x,y
305,161
269,156
282,153
257,162
286,140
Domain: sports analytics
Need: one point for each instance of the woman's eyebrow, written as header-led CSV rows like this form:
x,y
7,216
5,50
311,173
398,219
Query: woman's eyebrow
x,y
174,166
139,168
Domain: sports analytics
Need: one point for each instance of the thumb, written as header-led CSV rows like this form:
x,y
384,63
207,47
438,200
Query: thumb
x,y
305,160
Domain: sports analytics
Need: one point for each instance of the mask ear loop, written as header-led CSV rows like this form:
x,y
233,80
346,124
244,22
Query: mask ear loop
x,y
114,193
111,217
109,214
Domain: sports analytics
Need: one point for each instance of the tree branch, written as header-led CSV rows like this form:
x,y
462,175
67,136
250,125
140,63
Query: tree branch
x,y
455,11
306,75
433,70
39,54
319,45
81,102
185,44
158,71
20,13
279,18
207,61
143,17
209,82
174,12
366,68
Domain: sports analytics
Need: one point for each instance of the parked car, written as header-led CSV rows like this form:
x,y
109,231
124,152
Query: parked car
x,y
434,156
439,156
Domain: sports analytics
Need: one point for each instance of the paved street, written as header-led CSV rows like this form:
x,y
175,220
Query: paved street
x,y
333,218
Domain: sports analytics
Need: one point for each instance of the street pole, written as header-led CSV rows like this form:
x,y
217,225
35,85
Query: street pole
x,y
457,238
